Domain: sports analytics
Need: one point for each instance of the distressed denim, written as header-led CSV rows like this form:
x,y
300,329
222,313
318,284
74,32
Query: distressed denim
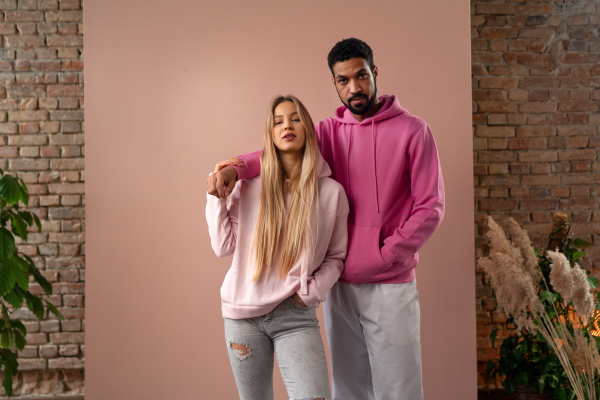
x,y
292,333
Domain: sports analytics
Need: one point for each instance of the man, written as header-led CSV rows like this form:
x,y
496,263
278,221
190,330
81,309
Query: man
x,y
387,162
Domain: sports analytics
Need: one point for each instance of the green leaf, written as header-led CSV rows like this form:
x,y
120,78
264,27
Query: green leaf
x,y
20,341
7,244
19,226
13,298
523,378
53,309
560,394
24,192
27,217
581,243
539,384
9,360
35,304
553,381
578,254
21,272
37,221
5,338
493,335
7,277
10,190
510,385
539,337
19,325
593,281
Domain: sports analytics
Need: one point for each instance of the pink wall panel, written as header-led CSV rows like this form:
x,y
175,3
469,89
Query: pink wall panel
x,y
172,88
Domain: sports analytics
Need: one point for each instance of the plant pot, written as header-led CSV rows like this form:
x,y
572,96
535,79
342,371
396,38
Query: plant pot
x,y
527,392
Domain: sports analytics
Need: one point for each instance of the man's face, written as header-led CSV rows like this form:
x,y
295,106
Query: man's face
x,y
356,85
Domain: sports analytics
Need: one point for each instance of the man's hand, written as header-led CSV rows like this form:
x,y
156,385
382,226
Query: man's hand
x,y
221,183
232,161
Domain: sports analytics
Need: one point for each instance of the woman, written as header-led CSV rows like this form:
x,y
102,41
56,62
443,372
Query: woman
x,y
286,229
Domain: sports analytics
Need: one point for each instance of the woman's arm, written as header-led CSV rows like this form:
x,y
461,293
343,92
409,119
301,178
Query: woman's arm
x,y
223,222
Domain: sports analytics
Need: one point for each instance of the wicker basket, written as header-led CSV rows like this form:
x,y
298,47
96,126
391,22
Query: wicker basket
x,y
527,392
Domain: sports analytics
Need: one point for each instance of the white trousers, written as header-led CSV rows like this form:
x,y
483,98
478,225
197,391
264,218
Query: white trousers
x,y
373,332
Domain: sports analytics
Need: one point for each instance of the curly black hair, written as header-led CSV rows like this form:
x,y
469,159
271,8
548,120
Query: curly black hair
x,y
350,48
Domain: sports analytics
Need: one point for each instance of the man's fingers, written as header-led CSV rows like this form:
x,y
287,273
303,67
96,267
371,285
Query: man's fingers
x,y
232,161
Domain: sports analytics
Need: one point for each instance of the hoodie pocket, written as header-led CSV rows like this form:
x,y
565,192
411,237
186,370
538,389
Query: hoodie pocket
x,y
363,261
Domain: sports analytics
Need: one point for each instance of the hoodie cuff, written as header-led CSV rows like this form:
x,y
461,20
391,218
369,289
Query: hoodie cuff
x,y
388,256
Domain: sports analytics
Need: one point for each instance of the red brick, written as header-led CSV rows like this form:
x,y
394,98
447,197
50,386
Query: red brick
x,y
539,83
536,9
536,33
577,130
578,106
581,154
65,90
72,65
538,107
580,82
535,131
539,204
538,156
66,363
495,131
497,106
496,8
65,41
485,57
581,166
578,118
557,119
497,204
537,144
23,16
541,180
497,156
581,33
497,33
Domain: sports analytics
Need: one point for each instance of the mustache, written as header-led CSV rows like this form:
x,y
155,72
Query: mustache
x,y
357,96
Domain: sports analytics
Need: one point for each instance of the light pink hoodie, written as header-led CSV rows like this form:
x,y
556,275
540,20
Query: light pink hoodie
x,y
389,167
231,229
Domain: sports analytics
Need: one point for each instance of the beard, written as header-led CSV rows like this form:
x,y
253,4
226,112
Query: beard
x,y
361,110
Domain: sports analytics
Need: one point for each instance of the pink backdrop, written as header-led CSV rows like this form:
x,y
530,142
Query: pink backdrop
x,y
172,88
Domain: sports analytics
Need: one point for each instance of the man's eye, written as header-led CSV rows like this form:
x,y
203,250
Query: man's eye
x,y
342,81
363,75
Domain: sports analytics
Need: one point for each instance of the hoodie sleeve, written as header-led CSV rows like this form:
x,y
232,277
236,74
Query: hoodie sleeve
x,y
223,222
251,167
427,188
333,264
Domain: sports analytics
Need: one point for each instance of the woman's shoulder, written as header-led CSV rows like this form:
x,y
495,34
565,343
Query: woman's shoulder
x,y
331,192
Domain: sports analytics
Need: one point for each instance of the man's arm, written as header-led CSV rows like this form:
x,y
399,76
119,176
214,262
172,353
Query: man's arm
x,y
221,182
427,188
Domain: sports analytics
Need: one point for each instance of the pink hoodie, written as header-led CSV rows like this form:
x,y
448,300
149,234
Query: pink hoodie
x,y
389,168
231,229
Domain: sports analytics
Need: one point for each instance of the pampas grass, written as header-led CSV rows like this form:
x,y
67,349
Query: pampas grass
x,y
515,275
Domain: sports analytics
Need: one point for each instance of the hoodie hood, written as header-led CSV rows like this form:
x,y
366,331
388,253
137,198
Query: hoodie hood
x,y
391,107
323,169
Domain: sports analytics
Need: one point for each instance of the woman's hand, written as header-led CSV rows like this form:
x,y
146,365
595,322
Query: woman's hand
x,y
296,297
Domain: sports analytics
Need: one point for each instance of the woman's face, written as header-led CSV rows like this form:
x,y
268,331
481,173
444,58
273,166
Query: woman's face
x,y
289,134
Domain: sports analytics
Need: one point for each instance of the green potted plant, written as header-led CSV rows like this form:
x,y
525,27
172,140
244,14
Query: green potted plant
x,y
17,272
546,295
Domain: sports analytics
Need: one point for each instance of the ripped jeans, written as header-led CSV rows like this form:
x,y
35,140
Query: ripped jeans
x,y
292,333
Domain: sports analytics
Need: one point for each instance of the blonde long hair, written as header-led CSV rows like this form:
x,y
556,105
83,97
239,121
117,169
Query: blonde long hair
x,y
302,188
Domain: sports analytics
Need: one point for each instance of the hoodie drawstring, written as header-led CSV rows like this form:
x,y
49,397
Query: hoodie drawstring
x,y
375,165
348,158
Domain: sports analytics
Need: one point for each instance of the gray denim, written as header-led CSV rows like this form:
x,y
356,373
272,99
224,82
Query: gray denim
x,y
292,332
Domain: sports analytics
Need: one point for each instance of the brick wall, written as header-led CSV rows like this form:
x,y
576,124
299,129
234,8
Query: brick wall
x,y
536,86
41,138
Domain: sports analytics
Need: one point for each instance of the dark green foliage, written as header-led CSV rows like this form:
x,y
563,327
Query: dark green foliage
x,y
16,269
